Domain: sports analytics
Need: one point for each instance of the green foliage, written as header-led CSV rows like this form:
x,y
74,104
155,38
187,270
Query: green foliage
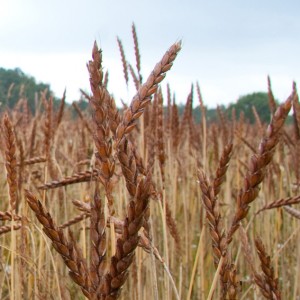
x,y
14,84
245,103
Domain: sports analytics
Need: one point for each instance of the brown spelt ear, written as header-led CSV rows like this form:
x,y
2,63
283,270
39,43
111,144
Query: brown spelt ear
x,y
60,110
222,168
262,281
126,245
216,230
33,160
113,114
86,176
232,282
172,226
137,52
27,115
74,220
124,62
11,163
224,124
128,165
82,206
258,120
7,228
32,139
98,243
151,136
267,283
7,216
258,165
48,126
160,135
280,203
68,250
101,103
143,97
209,199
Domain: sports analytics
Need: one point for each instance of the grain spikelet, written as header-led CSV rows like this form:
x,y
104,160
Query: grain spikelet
x,y
86,176
280,203
137,52
124,62
143,97
11,163
268,283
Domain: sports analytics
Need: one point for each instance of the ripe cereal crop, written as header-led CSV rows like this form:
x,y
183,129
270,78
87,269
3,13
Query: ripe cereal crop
x,y
144,202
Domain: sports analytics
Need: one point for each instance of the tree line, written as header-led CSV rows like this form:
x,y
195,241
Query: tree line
x,y
15,84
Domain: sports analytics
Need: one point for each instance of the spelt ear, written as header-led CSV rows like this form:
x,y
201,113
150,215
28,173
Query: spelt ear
x,y
11,163
61,110
48,126
86,176
217,234
124,62
267,282
98,241
258,164
222,168
102,103
280,203
68,249
143,97
137,53
126,245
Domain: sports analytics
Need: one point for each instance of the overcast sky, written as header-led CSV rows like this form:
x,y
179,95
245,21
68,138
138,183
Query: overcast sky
x,y
229,47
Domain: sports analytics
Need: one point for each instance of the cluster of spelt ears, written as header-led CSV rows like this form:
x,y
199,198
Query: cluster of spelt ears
x,y
221,240
100,278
